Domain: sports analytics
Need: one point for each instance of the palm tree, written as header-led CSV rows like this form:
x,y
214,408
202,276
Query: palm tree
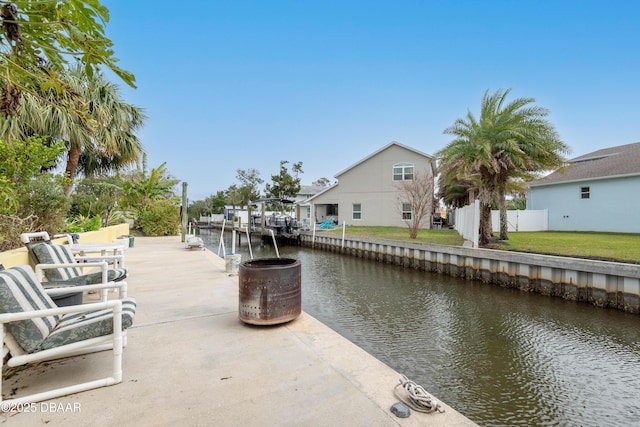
x,y
453,191
40,38
97,126
508,141
144,187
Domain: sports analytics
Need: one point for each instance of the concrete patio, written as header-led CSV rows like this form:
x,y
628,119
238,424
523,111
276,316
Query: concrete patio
x,y
190,361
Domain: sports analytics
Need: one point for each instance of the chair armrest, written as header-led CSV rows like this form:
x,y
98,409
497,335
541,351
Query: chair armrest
x,y
101,264
118,260
98,258
24,315
97,248
81,288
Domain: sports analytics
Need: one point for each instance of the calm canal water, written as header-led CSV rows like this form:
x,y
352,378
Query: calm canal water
x,y
499,356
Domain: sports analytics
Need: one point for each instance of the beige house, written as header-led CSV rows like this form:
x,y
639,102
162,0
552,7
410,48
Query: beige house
x,y
367,192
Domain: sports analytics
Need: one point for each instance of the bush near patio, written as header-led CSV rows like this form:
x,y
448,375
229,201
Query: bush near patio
x,y
159,218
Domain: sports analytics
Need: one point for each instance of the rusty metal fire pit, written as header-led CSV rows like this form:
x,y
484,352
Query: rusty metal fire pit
x,y
269,290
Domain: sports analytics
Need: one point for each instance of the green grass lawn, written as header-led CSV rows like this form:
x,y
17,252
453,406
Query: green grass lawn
x,y
440,237
615,246
608,246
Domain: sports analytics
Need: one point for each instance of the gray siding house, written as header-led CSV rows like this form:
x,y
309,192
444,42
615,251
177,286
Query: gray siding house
x,y
367,193
595,192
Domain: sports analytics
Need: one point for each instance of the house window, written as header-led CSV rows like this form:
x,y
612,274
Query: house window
x,y
403,172
584,192
406,211
357,211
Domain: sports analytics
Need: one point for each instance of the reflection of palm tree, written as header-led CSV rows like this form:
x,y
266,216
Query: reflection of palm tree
x,y
508,141
95,123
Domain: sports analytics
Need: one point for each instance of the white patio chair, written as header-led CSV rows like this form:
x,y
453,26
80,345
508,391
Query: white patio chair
x,y
33,329
110,252
61,267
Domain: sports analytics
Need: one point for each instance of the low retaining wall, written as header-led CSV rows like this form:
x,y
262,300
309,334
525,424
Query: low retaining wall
x,y
605,284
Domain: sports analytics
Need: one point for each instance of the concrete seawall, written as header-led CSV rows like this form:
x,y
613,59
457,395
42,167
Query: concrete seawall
x,y
601,283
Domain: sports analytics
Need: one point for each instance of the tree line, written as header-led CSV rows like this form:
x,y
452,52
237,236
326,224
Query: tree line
x,y
285,184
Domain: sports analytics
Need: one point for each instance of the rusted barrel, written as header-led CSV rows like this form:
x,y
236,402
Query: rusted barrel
x,y
269,290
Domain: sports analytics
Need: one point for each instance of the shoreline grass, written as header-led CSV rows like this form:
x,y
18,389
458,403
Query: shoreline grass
x,y
620,247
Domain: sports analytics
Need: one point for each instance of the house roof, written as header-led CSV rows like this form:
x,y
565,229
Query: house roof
x,y
623,160
431,158
322,192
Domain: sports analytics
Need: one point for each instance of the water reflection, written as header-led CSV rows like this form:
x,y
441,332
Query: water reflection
x,y
500,356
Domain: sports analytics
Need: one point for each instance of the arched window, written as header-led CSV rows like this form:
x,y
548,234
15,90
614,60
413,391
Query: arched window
x,y
403,172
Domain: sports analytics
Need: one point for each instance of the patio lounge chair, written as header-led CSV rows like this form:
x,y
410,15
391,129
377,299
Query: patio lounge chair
x,y
33,329
64,299
64,268
110,252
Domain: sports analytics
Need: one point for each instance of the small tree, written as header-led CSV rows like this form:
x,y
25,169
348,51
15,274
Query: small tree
x,y
217,202
417,195
250,180
234,196
285,185
96,196
198,208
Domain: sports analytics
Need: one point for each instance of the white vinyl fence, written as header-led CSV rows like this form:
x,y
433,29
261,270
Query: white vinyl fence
x,y
467,221
212,218
522,220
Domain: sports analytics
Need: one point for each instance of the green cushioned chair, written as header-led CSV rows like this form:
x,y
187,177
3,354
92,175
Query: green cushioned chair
x,y
48,253
35,329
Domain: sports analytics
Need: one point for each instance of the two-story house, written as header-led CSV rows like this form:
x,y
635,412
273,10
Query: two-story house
x,y
367,193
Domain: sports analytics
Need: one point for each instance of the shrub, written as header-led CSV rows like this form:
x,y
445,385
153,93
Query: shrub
x,y
44,198
31,200
81,224
160,218
11,226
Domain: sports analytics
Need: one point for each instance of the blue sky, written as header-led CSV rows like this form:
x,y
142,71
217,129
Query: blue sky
x,y
239,84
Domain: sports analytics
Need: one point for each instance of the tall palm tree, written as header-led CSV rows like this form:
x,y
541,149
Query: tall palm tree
x,y
97,126
507,141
